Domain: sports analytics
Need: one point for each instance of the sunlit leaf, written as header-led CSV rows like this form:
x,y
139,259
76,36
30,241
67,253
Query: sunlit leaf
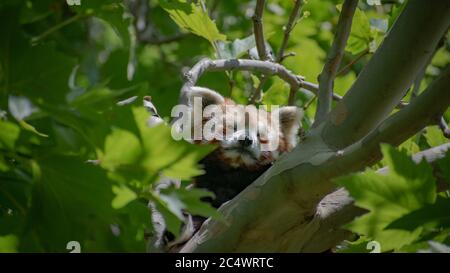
x,y
407,186
9,134
123,196
9,244
192,18
360,34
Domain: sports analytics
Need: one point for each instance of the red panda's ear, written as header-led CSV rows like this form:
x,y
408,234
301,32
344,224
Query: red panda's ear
x,y
290,117
207,95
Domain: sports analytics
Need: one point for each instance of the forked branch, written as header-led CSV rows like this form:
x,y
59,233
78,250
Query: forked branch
x,y
330,69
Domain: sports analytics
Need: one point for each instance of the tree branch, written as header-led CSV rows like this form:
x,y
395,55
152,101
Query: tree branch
x,y
288,28
338,208
256,96
326,78
373,96
350,64
278,213
267,68
258,30
208,65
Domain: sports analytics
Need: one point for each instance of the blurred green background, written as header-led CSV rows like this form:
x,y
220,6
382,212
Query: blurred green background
x,y
76,166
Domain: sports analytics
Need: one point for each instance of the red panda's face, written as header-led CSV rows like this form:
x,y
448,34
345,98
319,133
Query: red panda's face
x,y
250,140
248,137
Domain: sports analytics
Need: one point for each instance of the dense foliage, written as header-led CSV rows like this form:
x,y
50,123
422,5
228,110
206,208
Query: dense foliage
x,y
78,163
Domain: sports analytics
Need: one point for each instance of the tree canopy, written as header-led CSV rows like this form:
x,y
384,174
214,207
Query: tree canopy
x,y
79,163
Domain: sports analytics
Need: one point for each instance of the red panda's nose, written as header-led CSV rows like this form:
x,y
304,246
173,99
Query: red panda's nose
x,y
246,142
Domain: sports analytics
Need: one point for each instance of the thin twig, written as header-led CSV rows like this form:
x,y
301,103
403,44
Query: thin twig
x,y
306,106
58,27
257,94
292,95
288,28
290,54
260,41
326,78
258,30
287,31
267,68
350,64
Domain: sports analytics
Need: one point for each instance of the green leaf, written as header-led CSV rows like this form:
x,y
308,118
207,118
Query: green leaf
x,y
237,48
360,34
172,202
71,200
39,72
170,210
8,244
409,146
177,159
277,94
358,246
3,165
407,186
121,148
436,215
397,9
434,136
15,194
191,200
192,18
123,196
343,83
9,134
308,52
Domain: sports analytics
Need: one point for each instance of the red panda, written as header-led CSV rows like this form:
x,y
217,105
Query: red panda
x,y
239,158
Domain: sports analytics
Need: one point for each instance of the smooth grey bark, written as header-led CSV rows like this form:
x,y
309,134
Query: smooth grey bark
x,y
278,212
334,57
258,30
389,73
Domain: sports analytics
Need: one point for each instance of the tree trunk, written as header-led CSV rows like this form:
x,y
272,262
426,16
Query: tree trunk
x,y
279,212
